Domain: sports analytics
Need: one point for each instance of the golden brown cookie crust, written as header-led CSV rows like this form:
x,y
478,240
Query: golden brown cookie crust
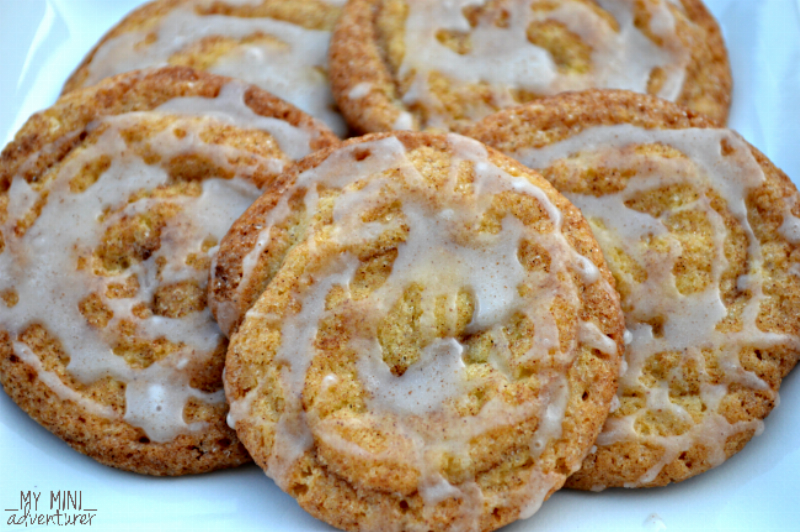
x,y
559,117
136,91
359,58
47,140
205,52
232,291
308,13
140,18
355,494
626,463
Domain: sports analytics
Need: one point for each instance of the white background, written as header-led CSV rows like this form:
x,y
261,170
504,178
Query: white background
x,y
759,489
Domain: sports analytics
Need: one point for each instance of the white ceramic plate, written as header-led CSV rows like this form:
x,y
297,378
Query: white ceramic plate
x,y
41,41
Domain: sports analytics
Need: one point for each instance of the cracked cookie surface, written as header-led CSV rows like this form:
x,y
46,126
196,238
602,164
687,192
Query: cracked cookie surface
x,y
113,203
701,233
415,64
440,349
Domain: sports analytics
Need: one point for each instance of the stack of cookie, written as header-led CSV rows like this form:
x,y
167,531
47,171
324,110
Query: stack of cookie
x,y
501,289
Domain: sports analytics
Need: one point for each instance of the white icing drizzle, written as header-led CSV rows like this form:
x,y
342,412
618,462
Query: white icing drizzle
x,y
339,170
627,337
229,107
403,122
690,321
21,198
360,90
592,336
289,68
293,436
57,385
443,251
41,266
621,59
790,228
424,387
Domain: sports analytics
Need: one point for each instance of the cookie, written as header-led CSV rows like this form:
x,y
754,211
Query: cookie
x,y
702,235
279,45
297,205
113,202
412,64
440,354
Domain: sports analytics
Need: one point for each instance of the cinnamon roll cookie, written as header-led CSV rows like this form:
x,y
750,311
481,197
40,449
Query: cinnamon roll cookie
x,y
417,64
279,45
440,353
702,234
113,203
